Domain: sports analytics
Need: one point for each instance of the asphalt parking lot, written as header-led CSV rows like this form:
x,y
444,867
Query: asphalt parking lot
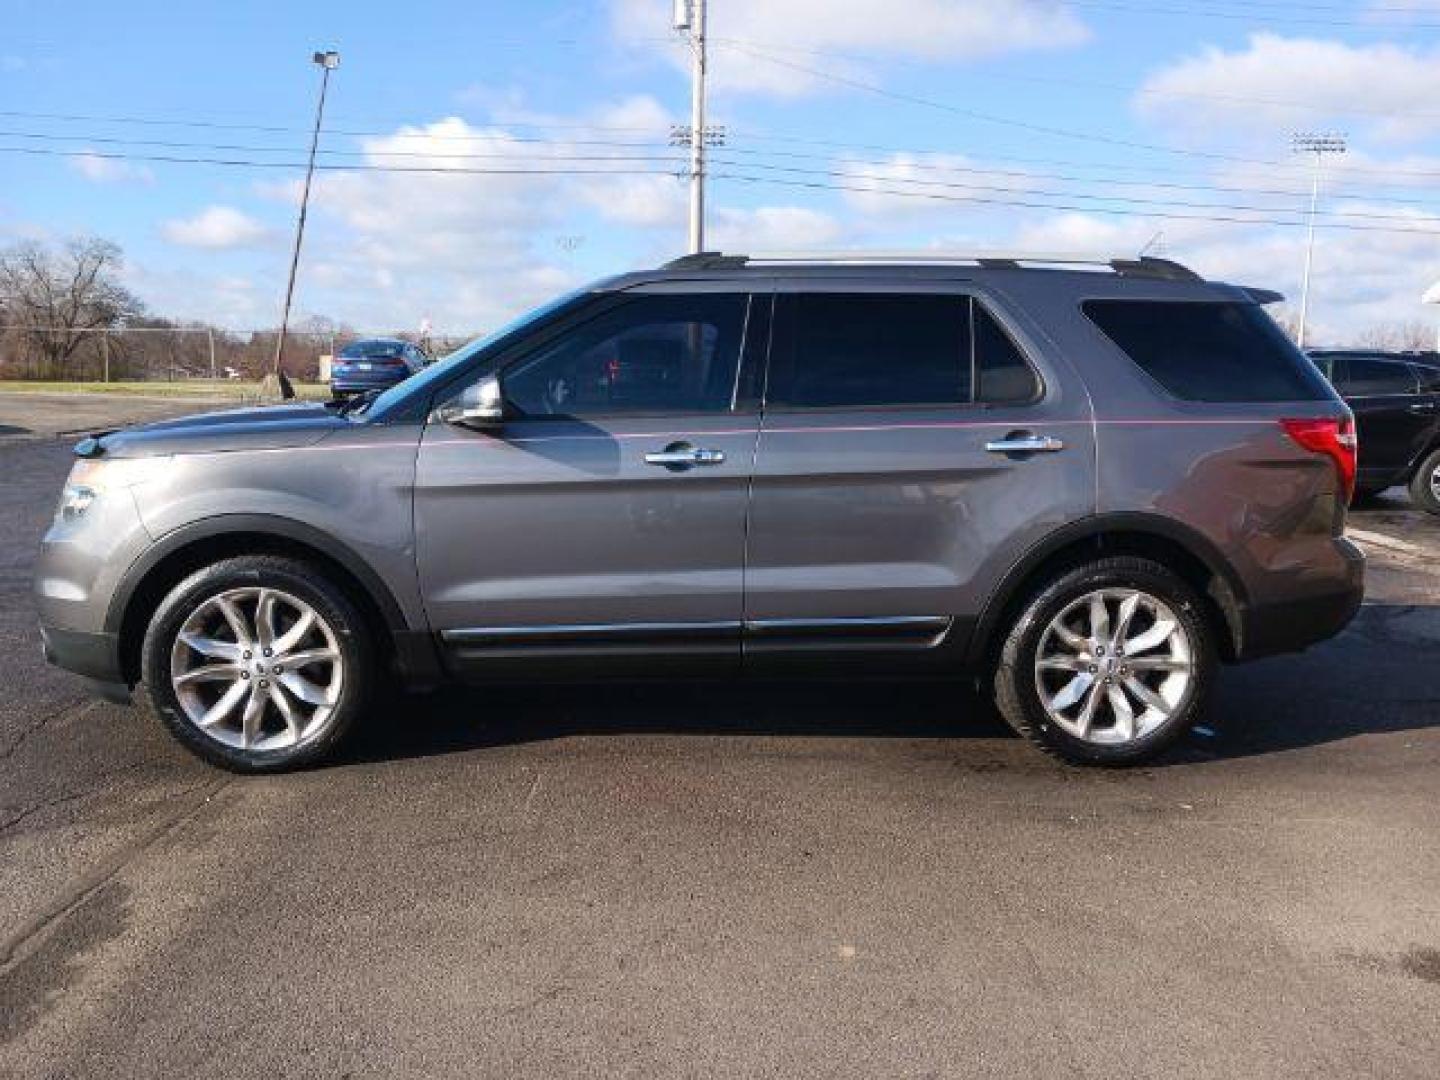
x,y
702,880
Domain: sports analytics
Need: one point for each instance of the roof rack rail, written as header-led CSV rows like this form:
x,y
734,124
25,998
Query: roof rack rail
x,y
1144,266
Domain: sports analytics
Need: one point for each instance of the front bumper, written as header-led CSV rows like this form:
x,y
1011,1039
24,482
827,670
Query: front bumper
x,y
93,655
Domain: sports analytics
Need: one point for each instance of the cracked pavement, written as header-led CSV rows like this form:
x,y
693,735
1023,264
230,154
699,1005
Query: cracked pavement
x,y
679,879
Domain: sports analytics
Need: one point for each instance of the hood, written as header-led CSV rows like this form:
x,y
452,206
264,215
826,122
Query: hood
x,y
266,427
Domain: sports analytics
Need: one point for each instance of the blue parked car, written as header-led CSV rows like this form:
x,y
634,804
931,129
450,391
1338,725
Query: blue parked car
x,y
374,364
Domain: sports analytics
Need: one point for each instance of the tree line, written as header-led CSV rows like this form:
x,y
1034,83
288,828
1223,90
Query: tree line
x,y
65,314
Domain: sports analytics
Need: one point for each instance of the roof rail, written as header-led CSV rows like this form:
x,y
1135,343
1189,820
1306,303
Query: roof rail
x,y
1145,266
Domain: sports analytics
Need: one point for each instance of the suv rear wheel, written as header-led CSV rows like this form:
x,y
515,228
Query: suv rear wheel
x,y
1109,663
1425,484
257,664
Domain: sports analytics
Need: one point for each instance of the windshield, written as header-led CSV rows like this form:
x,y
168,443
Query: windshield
x,y
442,369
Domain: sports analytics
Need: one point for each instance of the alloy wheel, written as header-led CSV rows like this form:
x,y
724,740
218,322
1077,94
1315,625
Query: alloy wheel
x,y
1113,666
257,669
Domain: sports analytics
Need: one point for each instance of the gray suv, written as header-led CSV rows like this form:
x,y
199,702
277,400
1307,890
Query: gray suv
x,y
1085,485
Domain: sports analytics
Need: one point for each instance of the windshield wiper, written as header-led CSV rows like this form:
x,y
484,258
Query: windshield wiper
x,y
357,404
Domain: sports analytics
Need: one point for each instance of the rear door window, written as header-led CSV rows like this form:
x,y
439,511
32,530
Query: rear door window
x,y
879,350
1222,351
1002,376
1366,376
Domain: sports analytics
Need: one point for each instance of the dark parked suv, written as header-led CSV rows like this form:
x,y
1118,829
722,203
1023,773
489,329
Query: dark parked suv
x,y
1396,401
1086,486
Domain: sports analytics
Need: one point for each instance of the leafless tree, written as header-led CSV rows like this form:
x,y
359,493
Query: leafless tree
x,y
1285,318
58,297
1414,335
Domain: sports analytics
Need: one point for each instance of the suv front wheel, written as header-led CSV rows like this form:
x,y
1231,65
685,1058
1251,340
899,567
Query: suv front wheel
x,y
257,664
1109,663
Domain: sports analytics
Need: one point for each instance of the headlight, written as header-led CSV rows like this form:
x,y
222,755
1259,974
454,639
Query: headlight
x,y
91,478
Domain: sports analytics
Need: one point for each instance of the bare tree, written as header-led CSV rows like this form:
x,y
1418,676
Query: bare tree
x,y
59,297
1411,336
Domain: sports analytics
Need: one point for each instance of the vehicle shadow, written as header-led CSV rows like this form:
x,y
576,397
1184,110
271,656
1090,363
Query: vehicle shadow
x,y
458,719
1271,706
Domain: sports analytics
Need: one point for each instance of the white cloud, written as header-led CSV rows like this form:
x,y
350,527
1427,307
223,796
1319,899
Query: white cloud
x,y
234,300
773,228
817,34
464,238
1360,279
108,170
216,227
1396,86
936,183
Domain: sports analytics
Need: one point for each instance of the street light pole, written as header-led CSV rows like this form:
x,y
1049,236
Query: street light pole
x,y
328,62
1319,145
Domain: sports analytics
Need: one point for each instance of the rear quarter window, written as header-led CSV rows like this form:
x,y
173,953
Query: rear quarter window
x,y
1220,351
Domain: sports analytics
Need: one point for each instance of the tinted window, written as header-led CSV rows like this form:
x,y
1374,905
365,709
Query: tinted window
x,y
1364,376
1002,376
1429,379
1209,351
651,354
1329,366
872,349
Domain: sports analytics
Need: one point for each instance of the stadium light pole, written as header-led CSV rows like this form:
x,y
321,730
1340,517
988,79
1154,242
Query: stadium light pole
x,y
1319,146
328,61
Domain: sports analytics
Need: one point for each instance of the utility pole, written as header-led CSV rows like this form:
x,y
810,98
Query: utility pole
x,y
328,62
690,16
1318,145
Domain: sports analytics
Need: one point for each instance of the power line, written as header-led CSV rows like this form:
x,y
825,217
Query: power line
x,y
1030,204
990,118
532,169
151,121
1023,125
1131,199
660,135
867,188
1054,80
1029,174
248,148
175,159
447,155
1251,16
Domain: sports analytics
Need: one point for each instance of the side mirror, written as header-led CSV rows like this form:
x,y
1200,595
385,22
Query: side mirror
x,y
479,406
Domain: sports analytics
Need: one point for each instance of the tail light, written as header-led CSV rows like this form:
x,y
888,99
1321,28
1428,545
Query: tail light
x,y
1335,438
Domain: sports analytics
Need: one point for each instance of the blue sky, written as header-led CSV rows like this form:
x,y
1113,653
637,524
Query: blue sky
x,y
1095,125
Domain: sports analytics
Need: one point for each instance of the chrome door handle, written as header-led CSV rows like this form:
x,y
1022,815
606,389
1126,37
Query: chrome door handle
x,y
1025,444
1422,407
682,455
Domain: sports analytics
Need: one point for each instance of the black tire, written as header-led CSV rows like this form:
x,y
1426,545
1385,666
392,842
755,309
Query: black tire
x,y
1018,697
1425,482
300,580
